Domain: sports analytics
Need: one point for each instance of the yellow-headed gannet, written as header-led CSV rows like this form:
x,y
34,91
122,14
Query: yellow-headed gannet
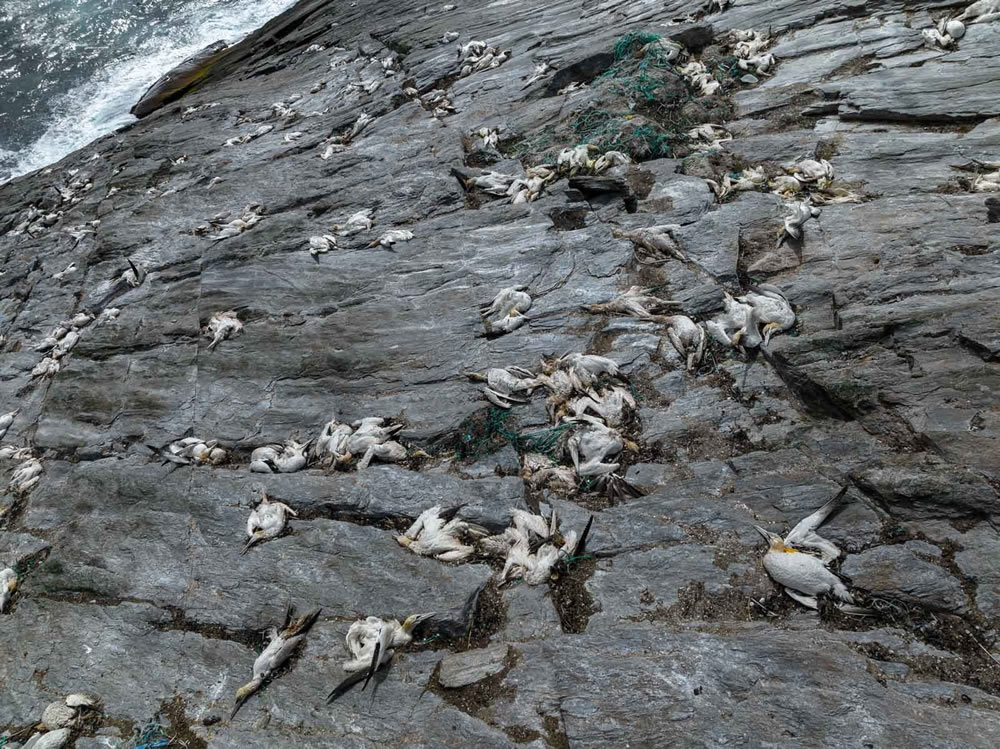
x,y
371,643
506,312
282,644
804,576
768,308
267,519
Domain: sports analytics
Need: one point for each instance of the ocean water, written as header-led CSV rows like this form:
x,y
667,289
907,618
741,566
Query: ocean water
x,y
71,69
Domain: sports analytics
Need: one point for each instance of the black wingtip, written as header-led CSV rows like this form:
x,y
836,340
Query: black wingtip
x,y
344,686
449,514
373,667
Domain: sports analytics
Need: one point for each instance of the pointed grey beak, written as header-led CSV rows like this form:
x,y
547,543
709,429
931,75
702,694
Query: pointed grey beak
x,y
764,533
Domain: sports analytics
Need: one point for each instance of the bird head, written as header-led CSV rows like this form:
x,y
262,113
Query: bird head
x,y
404,541
12,585
631,446
243,694
770,329
414,619
775,541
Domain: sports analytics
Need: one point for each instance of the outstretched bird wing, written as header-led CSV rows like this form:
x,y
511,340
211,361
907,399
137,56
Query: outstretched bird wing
x,y
804,533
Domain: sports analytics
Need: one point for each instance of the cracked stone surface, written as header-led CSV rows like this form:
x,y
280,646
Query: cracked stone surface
x,y
669,632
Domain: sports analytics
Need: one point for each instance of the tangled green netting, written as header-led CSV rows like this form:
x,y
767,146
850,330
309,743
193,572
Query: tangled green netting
x,y
152,736
486,434
648,84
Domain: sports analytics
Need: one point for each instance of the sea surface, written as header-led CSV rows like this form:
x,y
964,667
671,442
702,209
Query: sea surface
x,y
71,69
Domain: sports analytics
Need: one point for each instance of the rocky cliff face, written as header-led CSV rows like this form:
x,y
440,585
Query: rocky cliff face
x,y
669,632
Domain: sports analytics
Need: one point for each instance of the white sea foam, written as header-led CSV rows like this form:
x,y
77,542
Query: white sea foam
x,y
100,105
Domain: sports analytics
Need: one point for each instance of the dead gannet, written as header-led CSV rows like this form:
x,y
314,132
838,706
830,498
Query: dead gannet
x,y
504,385
47,367
135,274
733,319
586,368
667,50
801,212
26,476
239,140
609,404
654,245
267,519
321,244
751,178
393,236
506,312
610,159
282,644
191,451
438,533
476,55
708,137
635,302
371,643
699,77
332,442
687,338
287,458
336,143
373,440
812,171
804,576
982,11
67,712
8,584
576,159
361,221
6,420
945,34
590,446
542,70
490,137
540,471
557,548
768,308
223,325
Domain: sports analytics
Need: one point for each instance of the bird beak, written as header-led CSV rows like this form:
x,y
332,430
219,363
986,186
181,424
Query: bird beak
x,y
242,695
764,533
250,542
